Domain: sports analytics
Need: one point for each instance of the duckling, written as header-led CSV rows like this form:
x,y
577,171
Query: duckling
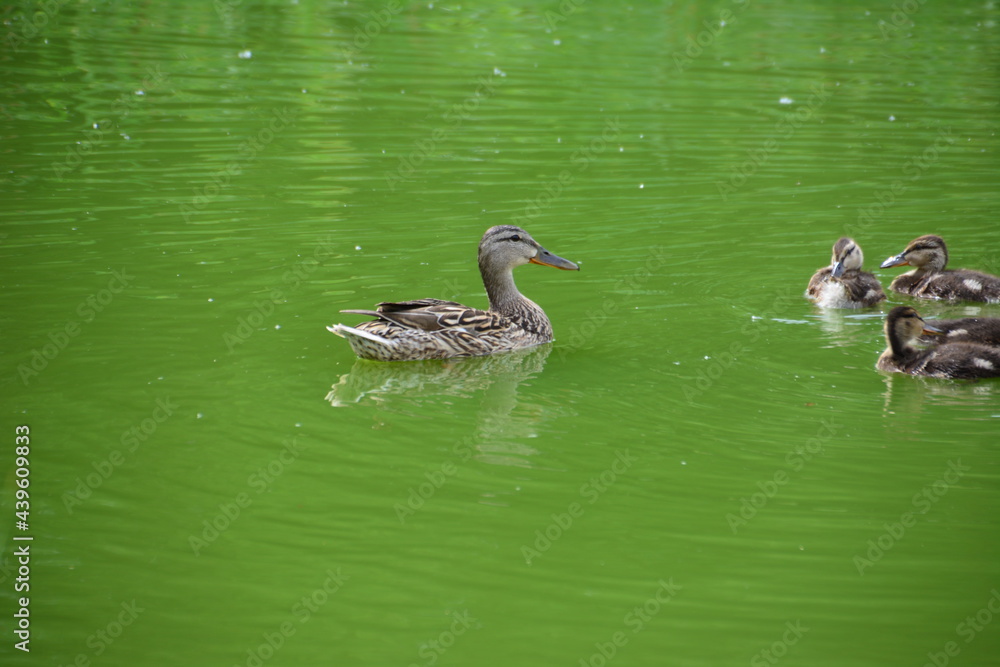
x,y
843,284
930,280
951,360
436,329
982,330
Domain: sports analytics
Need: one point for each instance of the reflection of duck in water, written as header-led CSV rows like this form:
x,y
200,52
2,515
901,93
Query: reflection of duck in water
x,y
462,377
904,325
436,329
843,284
909,396
845,328
502,433
930,280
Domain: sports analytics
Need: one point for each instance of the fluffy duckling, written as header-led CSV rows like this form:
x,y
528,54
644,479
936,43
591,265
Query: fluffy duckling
x,y
843,284
904,325
982,330
930,280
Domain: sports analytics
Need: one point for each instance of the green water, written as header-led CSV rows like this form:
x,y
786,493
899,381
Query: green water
x,y
703,469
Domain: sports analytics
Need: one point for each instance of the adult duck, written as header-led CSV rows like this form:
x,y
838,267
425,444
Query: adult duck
x,y
436,329
930,280
903,327
843,284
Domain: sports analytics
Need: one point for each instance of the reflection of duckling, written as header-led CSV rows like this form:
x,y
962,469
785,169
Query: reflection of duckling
x,y
952,360
930,280
843,284
983,330
436,329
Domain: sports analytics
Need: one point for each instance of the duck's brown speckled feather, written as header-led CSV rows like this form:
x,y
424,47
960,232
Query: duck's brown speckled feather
x,y
950,284
385,341
982,330
951,360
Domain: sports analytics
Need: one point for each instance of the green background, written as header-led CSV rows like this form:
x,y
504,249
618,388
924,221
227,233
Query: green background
x,y
250,168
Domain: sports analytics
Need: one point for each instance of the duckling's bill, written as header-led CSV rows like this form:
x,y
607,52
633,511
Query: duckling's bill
x,y
895,260
934,331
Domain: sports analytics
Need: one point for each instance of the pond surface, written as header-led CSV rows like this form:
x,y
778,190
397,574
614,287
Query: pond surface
x,y
703,469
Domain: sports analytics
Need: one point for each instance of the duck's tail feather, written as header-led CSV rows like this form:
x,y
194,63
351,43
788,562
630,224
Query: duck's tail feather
x,y
347,332
364,343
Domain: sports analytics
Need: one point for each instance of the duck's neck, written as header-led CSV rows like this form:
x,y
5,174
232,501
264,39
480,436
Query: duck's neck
x,y
900,348
936,264
508,301
500,287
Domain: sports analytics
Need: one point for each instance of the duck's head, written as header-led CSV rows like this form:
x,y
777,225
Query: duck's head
x,y
505,246
926,252
847,256
903,326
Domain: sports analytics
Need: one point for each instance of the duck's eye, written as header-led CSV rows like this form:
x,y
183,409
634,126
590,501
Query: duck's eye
x,y
515,237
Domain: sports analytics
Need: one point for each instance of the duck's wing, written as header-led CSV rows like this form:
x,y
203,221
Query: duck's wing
x,y
962,360
976,285
864,288
396,306
952,284
401,306
984,330
436,315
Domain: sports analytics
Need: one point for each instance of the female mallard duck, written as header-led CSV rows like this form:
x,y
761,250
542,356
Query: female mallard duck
x,y
951,360
843,284
436,329
930,280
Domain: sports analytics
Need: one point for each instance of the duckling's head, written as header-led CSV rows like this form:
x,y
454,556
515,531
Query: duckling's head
x,y
903,326
505,246
925,252
847,256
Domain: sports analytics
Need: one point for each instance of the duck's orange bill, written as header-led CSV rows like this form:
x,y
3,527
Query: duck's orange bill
x,y
546,258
